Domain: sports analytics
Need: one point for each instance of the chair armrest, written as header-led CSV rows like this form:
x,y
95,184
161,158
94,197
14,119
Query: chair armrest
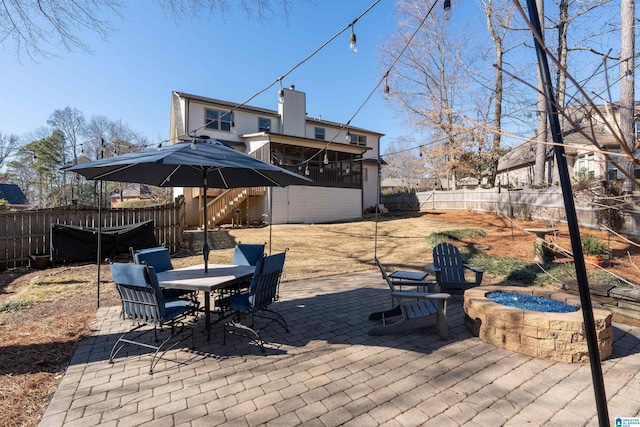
x,y
430,284
474,269
420,295
433,268
479,273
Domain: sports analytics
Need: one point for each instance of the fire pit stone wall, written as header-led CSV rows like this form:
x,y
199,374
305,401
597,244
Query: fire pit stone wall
x,y
553,336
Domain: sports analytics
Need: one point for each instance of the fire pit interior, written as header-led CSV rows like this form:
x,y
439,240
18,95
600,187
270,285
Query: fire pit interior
x,y
557,333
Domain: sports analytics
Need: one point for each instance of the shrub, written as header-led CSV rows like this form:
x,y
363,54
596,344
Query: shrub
x,y
592,245
457,234
4,205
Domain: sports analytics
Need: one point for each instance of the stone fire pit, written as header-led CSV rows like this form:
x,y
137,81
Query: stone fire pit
x,y
554,336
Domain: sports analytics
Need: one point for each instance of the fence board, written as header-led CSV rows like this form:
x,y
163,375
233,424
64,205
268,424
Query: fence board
x,y
26,233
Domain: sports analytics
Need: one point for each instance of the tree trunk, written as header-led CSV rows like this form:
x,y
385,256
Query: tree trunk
x,y
497,107
541,112
627,92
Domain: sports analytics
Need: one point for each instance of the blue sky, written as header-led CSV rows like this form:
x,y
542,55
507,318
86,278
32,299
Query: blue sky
x,y
131,75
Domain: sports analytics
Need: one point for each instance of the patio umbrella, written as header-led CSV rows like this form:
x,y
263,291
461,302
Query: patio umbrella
x,y
205,163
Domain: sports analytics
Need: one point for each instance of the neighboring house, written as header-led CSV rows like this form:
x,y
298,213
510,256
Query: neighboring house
x,y
515,169
14,195
129,192
344,173
394,185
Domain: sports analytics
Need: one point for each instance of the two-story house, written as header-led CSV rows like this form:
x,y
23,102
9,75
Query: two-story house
x,y
515,168
341,161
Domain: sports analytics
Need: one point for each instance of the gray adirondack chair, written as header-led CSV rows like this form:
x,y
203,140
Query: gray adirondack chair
x,y
450,270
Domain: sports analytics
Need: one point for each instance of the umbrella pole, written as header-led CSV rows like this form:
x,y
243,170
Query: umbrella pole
x,y
99,239
205,247
270,216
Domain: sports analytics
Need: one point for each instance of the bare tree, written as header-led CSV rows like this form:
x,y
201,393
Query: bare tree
x,y
8,145
541,134
404,162
627,93
499,16
36,28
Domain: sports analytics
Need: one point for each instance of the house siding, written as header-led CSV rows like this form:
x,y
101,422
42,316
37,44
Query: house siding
x,y
303,204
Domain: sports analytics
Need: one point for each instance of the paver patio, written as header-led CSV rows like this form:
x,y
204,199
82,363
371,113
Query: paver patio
x,y
327,371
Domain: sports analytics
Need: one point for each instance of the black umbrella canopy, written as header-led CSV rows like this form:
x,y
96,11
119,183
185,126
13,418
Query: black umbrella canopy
x,y
205,163
186,164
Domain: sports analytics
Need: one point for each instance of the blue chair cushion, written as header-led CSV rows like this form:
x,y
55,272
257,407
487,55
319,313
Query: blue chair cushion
x,y
159,257
242,301
246,254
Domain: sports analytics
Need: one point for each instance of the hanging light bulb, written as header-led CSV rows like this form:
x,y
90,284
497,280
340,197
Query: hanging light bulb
x,y
321,169
348,169
348,136
326,159
233,126
299,167
447,9
159,146
193,144
281,96
353,46
628,76
306,170
386,90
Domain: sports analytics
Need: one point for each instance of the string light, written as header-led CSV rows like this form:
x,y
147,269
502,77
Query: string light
x,y
353,46
628,76
447,9
306,169
326,158
281,96
348,137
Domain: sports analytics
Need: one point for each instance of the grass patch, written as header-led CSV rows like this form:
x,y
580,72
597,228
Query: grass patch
x,y
456,235
527,273
14,305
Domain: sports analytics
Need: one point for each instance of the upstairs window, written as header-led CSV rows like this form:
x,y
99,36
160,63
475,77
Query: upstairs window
x,y
319,133
356,139
218,120
264,124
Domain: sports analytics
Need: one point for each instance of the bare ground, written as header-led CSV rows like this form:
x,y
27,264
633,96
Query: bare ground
x,y
37,341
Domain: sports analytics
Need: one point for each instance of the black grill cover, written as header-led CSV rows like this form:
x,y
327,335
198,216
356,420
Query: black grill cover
x,y
72,243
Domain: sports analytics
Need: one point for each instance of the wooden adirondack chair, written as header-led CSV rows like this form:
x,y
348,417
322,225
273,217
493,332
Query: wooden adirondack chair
x,y
449,270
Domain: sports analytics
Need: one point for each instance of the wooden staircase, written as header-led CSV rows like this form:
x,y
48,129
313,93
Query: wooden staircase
x,y
225,204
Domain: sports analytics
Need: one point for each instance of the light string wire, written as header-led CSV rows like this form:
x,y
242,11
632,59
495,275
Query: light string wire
x,y
279,79
382,79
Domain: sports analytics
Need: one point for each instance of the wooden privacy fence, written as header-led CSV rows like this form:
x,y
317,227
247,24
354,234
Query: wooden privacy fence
x,y
28,233
545,204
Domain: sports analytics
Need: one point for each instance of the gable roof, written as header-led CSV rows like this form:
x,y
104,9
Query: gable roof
x,y
13,194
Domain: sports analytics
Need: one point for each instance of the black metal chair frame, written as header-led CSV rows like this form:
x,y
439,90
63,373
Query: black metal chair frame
x,y
142,305
265,291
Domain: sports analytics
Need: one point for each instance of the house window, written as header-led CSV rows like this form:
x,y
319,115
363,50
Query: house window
x,y
586,164
264,124
218,120
319,133
356,139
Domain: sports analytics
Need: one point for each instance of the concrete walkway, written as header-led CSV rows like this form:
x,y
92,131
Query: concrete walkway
x,y
327,371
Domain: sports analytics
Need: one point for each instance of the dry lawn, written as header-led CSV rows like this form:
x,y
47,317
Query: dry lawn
x,y
54,307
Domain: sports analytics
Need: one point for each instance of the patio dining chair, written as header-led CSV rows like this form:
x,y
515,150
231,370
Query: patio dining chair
x,y
160,258
245,254
449,269
144,305
418,309
254,303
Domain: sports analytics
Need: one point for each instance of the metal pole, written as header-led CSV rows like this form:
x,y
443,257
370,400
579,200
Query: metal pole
x,y
205,247
99,239
572,223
